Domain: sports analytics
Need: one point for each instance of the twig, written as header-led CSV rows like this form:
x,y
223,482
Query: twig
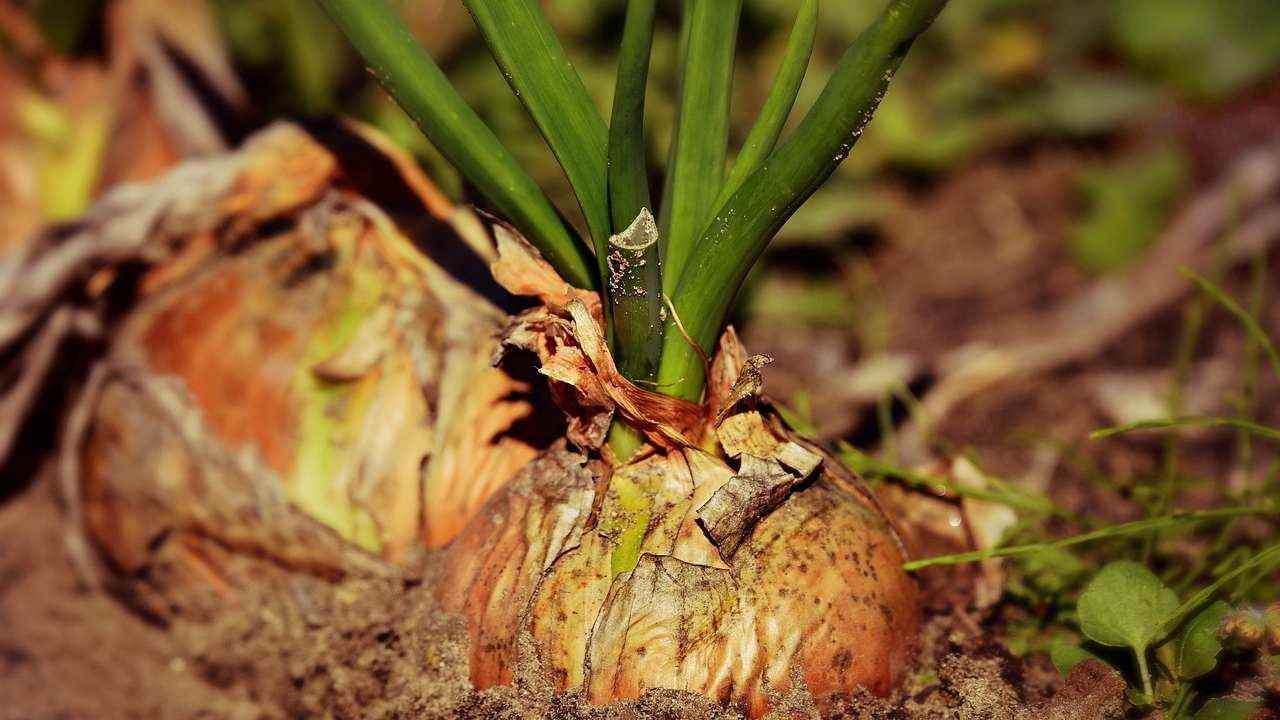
x,y
1112,306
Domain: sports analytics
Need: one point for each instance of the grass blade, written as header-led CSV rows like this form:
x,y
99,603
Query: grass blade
x,y
535,65
1171,623
1251,326
695,171
738,234
635,269
777,105
1249,426
1016,498
1130,528
418,85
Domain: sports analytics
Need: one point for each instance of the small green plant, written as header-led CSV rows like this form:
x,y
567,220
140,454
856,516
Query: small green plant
x,y
1126,605
1122,607
1171,633
666,293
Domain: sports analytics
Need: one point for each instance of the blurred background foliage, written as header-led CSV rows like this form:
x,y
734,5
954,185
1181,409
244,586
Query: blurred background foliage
x,y
993,76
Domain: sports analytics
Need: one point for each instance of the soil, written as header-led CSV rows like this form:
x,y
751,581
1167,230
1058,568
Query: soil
x,y
301,646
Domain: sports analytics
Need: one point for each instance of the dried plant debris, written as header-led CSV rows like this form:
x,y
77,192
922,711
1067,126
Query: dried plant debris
x,y
564,333
750,383
941,523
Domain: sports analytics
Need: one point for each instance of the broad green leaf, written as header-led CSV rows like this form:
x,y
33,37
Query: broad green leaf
x,y
1066,654
1124,604
1199,645
1225,709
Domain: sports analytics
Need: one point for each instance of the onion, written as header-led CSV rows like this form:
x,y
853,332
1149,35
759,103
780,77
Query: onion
x,y
320,373
732,571
815,587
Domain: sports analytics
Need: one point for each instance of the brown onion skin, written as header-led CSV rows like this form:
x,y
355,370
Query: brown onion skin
x,y
496,563
818,590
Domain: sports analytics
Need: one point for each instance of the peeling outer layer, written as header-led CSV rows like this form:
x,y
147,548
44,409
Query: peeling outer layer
x,y
496,562
335,348
565,335
158,483
689,574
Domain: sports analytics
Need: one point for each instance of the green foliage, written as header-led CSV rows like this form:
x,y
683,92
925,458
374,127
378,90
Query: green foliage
x,y
695,171
1175,643
1188,421
1123,606
1257,336
539,72
1225,709
421,88
634,297
735,238
1066,654
1126,205
777,106
1137,527
1208,48
720,253
1199,645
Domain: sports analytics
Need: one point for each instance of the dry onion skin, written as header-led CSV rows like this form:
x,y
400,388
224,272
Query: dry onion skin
x,y
733,569
816,585
299,381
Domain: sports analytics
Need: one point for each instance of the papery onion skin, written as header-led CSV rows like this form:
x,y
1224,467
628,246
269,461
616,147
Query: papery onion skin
x,y
499,559
818,587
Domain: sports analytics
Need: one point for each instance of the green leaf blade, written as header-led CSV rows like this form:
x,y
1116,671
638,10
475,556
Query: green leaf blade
x,y
628,176
1225,709
539,72
778,103
1245,318
1114,531
415,81
1199,645
704,290
1182,421
633,260
695,171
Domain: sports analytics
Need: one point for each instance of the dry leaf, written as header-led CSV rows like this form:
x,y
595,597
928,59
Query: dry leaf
x,y
933,524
